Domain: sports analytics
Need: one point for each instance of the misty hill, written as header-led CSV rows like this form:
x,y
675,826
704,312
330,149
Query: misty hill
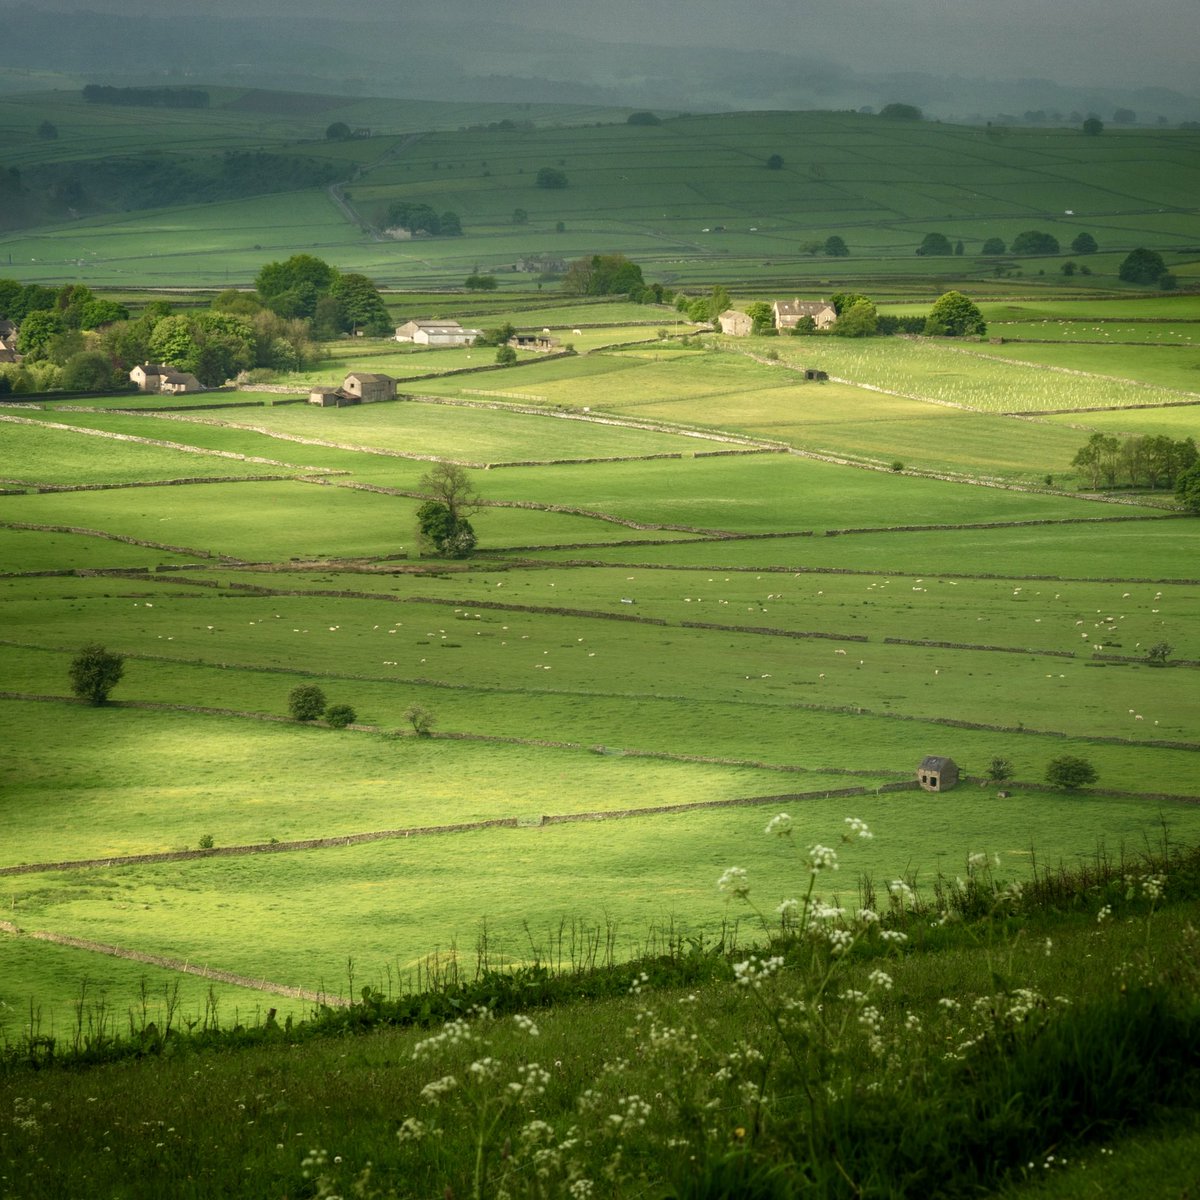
x,y
493,58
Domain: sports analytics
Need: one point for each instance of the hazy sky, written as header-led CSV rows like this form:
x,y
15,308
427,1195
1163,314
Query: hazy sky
x,y
1115,42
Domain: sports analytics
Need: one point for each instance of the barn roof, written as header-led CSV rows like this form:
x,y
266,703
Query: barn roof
x,y
935,762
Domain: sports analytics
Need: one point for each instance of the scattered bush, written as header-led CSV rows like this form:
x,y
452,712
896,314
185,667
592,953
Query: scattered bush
x,y
1071,772
206,841
340,715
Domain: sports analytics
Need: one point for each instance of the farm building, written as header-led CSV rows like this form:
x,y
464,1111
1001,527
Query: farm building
x,y
540,342
436,333
788,313
331,397
8,335
7,355
153,377
937,774
735,323
367,388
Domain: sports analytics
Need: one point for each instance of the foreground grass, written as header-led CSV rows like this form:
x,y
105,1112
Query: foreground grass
x,y
979,1041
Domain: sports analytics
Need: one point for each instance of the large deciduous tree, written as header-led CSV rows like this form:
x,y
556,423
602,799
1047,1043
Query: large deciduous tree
x,y
1142,266
955,315
935,245
442,524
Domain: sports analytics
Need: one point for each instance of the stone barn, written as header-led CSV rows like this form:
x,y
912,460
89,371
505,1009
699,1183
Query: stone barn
x,y
937,774
735,324
369,387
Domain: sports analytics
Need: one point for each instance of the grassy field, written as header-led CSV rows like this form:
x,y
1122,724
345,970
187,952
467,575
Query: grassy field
x,y
690,198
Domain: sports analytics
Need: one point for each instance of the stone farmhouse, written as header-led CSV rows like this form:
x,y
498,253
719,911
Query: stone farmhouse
x,y
152,377
788,313
735,323
937,774
436,333
359,387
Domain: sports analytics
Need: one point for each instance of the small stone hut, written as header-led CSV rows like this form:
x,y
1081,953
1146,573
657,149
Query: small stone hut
x,y
937,774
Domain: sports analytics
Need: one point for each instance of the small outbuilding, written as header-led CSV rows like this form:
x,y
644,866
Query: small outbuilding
x,y
437,333
540,342
937,774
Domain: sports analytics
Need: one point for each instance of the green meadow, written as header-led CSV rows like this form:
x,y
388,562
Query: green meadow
x,y
706,591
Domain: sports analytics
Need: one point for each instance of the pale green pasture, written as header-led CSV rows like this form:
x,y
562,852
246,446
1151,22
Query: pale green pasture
x,y
374,652
274,521
30,550
1179,423
772,492
38,453
52,979
1118,309
137,782
242,431
469,432
387,905
1155,550
1146,374
1061,330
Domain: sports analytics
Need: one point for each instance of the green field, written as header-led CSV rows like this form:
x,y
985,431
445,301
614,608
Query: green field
x,y
690,198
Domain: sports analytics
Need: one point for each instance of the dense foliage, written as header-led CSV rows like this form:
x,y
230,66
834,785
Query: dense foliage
x,y
94,672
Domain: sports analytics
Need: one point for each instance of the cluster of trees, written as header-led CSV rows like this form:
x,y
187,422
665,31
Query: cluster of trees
x,y
71,338
1148,461
1029,241
603,275
551,177
151,97
423,218
952,315
306,286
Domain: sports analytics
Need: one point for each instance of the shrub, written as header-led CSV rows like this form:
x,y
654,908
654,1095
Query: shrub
x,y
421,720
94,673
206,841
340,715
1069,771
306,702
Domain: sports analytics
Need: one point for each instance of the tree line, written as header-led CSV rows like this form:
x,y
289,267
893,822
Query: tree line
x,y
149,97
1147,461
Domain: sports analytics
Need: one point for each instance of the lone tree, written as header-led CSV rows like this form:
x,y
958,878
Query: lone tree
x,y
1071,772
1084,243
994,245
1034,241
551,177
1159,654
1093,127
442,524
836,247
95,671
306,702
954,315
775,162
340,715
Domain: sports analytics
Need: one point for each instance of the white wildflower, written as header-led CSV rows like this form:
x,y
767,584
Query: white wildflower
x,y
735,881
779,826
